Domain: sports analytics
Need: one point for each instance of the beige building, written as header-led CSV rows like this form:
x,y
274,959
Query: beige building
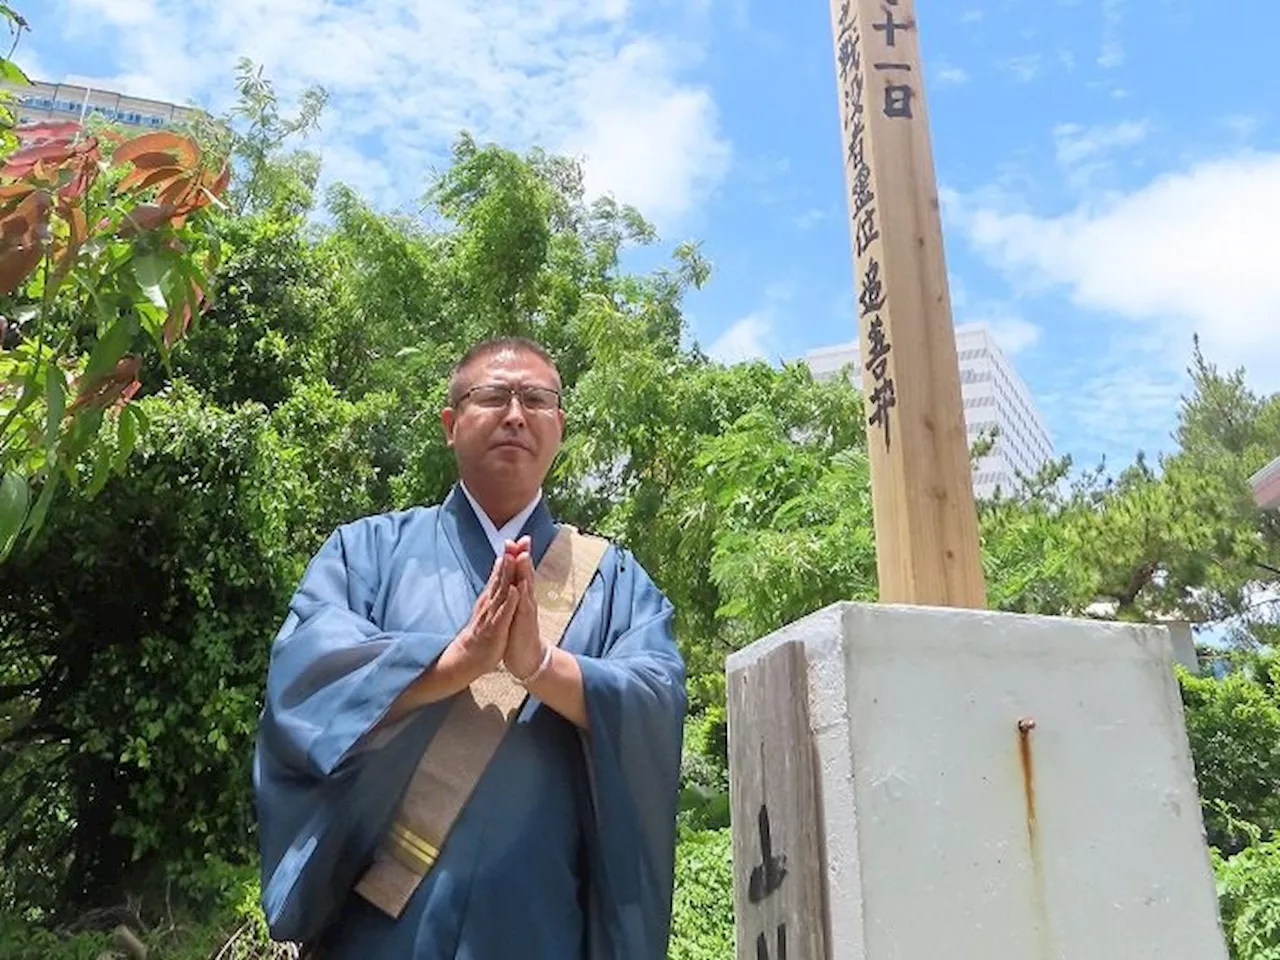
x,y
65,101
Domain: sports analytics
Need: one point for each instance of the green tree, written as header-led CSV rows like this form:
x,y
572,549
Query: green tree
x,y
134,639
1249,891
1234,727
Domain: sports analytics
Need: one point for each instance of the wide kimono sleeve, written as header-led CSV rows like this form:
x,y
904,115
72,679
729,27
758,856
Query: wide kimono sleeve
x,y
324,781
636,702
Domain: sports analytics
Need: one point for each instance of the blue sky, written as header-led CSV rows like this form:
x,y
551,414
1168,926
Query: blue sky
x,y
1109,169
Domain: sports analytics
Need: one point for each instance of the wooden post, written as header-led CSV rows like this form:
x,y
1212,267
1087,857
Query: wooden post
x,y
922,487
778,873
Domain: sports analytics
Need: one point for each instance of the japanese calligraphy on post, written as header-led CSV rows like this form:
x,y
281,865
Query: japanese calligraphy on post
x,y
892,92
910,378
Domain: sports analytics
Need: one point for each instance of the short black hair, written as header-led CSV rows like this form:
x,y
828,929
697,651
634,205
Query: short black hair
x,y
487,348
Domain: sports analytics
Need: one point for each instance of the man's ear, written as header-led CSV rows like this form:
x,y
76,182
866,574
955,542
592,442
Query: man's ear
x,y
449,420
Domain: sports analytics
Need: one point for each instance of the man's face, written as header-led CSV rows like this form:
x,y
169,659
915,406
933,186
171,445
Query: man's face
x,y
503,437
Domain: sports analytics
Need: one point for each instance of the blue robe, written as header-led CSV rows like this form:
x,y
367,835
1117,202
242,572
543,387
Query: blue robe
x,y
566,848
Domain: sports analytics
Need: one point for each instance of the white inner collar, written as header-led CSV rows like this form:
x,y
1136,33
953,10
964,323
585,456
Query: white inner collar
x,y
510,530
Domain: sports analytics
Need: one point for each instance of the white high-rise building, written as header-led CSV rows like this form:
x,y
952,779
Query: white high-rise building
x,y
994,396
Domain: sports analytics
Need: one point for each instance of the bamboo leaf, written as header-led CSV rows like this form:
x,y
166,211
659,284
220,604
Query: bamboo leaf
x,y
127,438
101,471
35,522
15,499
10,72
150,272
55,394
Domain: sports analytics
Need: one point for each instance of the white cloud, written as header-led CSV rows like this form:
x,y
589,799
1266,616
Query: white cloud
x,y
405,76
1012,333
1087,154
1242,125
1113,405
1191,252
950,76
1077,144
1023,69
745,340
753,336
646,138
810,218
1112,54
29,60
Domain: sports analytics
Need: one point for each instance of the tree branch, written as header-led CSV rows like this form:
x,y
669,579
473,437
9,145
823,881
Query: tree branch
x,y
1267,567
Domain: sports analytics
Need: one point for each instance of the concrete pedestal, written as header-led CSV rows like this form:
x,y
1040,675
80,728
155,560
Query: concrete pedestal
x,y
967,785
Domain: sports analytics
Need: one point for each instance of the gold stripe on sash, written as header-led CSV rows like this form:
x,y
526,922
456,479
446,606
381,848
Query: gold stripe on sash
x,y
407,838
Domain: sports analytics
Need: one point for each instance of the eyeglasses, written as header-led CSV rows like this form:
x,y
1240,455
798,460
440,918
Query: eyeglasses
x,y
497,396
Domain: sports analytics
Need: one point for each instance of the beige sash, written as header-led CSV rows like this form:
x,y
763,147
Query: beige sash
x,y
470,733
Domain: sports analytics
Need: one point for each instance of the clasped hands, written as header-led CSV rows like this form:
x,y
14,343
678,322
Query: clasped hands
x,y
503,628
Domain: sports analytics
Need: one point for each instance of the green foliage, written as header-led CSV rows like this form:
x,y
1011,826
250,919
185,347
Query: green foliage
x,y
704,772
1030,546
1249,893
270,177
206,909
702,916
269,327
134,641
23,940
1234,728
13,74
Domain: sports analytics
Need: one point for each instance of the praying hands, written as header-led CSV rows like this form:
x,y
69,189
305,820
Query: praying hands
x,y
526,654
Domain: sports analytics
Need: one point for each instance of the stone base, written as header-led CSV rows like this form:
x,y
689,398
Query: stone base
x,y
988,787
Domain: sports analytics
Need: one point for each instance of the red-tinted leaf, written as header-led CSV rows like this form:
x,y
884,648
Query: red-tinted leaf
x,y
16,265
146,216
129,392
179,321
22,237
79,225
27,157
176,194
78,185
46,130
175,328
78,233
42,172
15,191
103,391
186,151
141,179
223,181
153,161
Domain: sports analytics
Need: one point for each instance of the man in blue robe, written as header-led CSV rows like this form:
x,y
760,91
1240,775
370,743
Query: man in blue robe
x,y
565,847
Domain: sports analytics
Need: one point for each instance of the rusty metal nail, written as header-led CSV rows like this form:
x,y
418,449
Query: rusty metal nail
x,y
1027,724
